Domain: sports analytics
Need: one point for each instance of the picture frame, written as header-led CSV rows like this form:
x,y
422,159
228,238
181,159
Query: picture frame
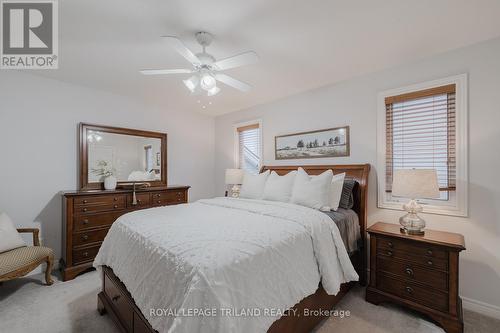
x,y
324,143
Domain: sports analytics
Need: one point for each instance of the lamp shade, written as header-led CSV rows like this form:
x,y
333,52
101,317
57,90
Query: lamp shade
x,y
234,176
415,184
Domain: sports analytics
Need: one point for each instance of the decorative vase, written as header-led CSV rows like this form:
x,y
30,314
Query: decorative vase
x,y
110,183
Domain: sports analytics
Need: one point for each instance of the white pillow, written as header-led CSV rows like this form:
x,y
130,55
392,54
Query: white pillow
x,y
9,237
253,185
312,192
336,190
279,188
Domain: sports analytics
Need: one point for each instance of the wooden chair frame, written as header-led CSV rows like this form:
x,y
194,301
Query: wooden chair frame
x,y
28,268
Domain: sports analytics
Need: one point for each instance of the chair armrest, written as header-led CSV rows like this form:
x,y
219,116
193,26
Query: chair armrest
x,y
34,231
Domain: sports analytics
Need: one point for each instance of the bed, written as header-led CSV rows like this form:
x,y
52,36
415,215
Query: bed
x,y
266,262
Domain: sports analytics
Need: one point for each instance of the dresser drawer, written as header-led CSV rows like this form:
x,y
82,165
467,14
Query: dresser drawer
x,y
119,205
119,303
168,198
408,271
99,200
83,222
413,292
85,254
412,248
88,237
143,200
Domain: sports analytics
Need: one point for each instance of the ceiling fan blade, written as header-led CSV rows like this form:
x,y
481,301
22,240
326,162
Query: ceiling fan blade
x,y
246,58
179,46
232,82
165,71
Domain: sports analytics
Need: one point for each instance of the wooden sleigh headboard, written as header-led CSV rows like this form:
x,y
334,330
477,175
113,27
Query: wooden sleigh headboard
x,y
360,173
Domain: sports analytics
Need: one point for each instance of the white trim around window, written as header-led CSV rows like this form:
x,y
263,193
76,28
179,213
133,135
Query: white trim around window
x,y
459,205
237,144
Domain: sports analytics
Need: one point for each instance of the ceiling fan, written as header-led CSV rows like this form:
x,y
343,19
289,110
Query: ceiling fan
x,y
206,68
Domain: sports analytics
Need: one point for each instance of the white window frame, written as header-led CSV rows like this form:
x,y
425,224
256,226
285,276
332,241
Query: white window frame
x,y
237,143
459,207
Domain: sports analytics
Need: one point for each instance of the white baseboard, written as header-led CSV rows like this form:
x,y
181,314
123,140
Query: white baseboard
x,y
481,307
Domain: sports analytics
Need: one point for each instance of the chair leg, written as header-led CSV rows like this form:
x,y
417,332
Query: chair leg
x,y
50,263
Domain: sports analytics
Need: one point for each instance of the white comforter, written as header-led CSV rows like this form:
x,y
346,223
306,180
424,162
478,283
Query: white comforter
x,y
223,264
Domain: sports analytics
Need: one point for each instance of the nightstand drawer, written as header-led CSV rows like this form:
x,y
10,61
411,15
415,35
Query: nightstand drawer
x,y
413,292
412,248
410,272
424,261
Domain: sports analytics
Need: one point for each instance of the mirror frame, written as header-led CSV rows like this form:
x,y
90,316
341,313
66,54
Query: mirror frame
x,y
83,155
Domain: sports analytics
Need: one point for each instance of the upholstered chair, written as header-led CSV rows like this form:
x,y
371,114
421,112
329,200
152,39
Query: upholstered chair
x,y
22,260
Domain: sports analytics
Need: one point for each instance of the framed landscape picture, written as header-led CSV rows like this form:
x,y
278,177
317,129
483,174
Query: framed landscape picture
x,y
332,142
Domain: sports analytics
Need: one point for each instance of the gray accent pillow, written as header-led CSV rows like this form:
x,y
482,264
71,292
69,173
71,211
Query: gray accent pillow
x,y
347,199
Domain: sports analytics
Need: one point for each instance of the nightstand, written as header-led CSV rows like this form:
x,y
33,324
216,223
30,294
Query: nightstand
x,y
420,272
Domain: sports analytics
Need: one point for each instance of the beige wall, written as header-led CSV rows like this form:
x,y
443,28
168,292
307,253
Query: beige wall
x,y
354,103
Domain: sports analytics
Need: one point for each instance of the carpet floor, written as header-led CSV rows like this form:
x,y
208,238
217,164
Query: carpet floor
x,y
28,306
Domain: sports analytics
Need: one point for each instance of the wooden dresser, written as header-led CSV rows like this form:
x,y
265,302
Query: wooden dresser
x,y
88,215
420,272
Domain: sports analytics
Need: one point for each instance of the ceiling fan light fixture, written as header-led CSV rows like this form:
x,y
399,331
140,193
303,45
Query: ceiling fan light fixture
x,y
214,91
192,83
207,82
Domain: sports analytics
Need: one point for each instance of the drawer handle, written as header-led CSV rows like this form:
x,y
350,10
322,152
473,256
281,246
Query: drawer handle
x,y
429,252
116,298
85,221
85,201
178,199
158,195
159,201
409,290
179,193
139,201
85,209
390,244
430,263
115,206
389,253
85,254
115,199
85,237
409,271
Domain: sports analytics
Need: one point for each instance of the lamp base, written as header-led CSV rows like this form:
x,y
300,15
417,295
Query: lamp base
x,y
235,191
412,232
411,223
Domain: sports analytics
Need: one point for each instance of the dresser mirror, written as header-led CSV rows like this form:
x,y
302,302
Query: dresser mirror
x,y
132,156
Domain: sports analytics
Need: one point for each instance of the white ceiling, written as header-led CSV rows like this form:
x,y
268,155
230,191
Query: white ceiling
x,y
302,44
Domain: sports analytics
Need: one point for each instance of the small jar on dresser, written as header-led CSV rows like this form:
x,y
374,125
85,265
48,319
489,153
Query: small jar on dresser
x,y
420,272
88,215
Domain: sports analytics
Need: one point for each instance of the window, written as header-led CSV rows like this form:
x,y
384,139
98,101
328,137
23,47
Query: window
x,y
148,158
249,147
424,128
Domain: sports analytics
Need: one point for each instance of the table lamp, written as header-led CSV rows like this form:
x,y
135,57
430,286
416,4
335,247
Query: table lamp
x,y
234,177
414,184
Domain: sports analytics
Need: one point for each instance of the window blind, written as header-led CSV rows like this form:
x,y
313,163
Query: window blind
x,y
420,134
249,148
